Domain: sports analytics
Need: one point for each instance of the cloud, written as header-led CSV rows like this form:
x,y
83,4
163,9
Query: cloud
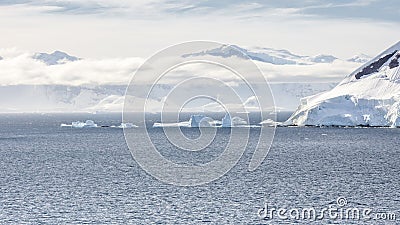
x,y
159,9
322,72
125,28
21,68
18,67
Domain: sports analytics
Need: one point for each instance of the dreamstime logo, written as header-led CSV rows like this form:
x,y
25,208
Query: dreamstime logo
x,y
339,210
190,68
341,201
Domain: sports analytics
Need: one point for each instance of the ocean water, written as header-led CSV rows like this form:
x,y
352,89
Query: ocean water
x,y
54,175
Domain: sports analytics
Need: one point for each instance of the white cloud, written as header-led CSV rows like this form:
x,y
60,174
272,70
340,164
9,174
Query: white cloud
x,y
19,67
23,69
323,72
124,28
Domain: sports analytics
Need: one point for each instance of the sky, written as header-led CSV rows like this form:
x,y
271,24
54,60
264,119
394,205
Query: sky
x,y
122,28
114,37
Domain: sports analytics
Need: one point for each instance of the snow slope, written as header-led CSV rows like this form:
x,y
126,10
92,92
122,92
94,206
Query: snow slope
x,y
370,96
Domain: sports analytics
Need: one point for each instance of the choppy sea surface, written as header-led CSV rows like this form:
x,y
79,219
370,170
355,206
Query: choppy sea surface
x,y
56,175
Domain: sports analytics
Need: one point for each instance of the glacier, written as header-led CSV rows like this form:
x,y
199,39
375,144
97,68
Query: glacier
x,y
370,96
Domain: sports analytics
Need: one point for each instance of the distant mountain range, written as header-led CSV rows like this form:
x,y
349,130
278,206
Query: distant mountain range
x,y
110,98
267,55
275,56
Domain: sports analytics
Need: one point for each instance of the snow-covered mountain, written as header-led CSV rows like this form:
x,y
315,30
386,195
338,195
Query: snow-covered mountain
x,y
274,56
55,58
370,96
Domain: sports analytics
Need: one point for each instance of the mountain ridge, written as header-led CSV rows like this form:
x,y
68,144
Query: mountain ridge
x,y
274,56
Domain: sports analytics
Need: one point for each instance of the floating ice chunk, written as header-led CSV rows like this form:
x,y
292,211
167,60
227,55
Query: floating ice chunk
x,y
127,125
199,121
181,124
270,123
227,121
194,121
78,124
90,123
204,121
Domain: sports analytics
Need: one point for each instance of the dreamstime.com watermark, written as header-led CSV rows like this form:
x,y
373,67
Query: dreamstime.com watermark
x,y
339,210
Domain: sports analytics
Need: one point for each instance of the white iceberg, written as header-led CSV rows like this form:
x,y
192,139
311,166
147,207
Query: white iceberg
x,y
370,96
78,124
180,124
229,121
197,120
127,125
200,121
270,123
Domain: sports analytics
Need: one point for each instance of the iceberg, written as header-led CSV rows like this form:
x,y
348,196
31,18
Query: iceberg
x,y
88,123
78,124
370,96
127,125
270,123
199,121
229,121
181,124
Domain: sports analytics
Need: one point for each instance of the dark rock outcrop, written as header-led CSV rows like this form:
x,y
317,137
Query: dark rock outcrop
x,y
395,62
375,66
